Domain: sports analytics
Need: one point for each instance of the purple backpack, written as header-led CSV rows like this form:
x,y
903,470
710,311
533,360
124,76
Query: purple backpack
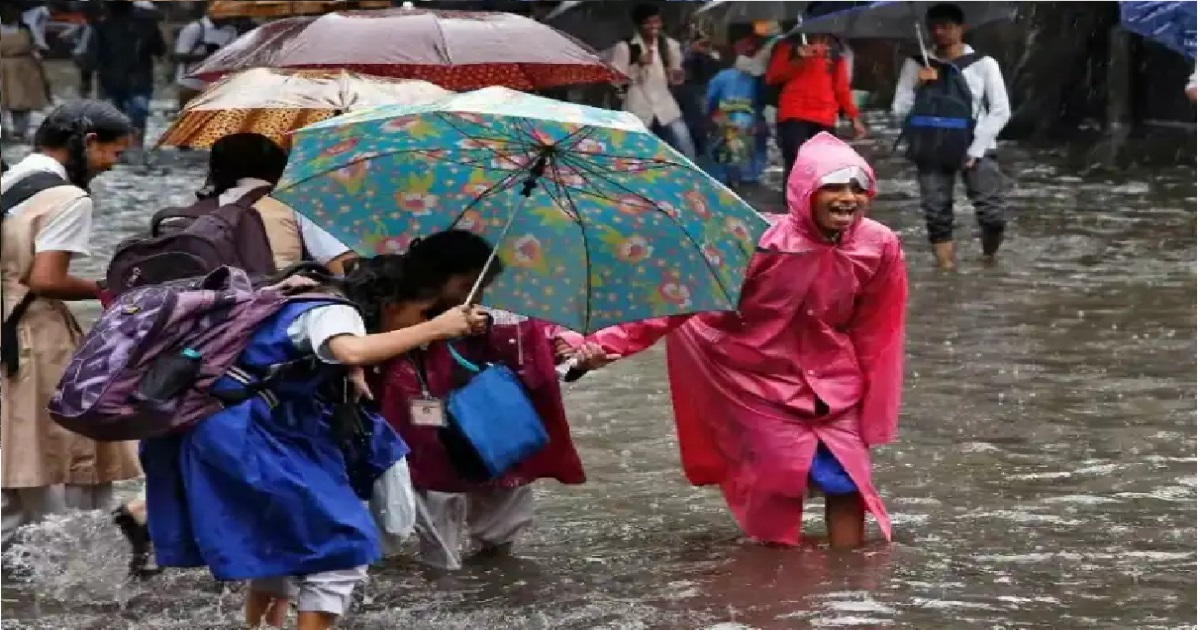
x,y
146,368
191,242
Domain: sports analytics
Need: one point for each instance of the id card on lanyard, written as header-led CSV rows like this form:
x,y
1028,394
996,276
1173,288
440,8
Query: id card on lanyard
x,y
426,411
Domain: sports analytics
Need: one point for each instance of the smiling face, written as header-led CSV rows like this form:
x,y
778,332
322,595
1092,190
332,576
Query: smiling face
x,y
651,27
835,206
102,156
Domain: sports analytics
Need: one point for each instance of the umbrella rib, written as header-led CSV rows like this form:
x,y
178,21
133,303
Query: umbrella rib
x,y
700,249
504,184
502,156
429,153
642,168
584,132
644,160
583,234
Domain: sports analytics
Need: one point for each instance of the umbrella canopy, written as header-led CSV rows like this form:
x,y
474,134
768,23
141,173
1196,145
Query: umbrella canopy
x,y
286,8
1172,24
274,103
456,50
597,220
898,20
739,12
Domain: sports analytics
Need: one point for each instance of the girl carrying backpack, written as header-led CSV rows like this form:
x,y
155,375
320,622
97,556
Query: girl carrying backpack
x,y
271,487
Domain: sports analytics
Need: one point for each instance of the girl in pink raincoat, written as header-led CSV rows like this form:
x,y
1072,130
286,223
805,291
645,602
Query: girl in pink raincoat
x,y
789,393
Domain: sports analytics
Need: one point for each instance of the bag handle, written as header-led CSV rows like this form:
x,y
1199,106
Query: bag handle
x,y
227,279
461,360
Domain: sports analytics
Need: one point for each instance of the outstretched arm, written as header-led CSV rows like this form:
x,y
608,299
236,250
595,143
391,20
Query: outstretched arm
x,y
629,339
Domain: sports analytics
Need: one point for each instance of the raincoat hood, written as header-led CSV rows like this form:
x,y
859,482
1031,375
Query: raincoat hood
x,y
819,157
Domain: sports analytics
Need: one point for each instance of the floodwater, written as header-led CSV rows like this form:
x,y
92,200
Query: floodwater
x,y
1045,475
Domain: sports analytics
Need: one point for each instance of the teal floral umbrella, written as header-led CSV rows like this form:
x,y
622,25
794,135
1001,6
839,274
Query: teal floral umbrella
x,y
597,221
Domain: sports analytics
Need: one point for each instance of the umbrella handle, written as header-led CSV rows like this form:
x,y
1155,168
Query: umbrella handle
x,y
535,173
921,43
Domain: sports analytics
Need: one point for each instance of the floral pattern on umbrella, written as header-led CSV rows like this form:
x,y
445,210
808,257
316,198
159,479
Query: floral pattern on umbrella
x,y
619,227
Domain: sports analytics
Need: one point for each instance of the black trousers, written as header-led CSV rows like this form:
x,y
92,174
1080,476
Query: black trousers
x,y
791,135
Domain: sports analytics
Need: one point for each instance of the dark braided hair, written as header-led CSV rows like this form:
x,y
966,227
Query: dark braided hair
x,y
242,155
419,274
68,126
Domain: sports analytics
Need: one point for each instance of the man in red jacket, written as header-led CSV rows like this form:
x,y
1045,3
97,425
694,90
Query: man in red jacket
x,y
814,88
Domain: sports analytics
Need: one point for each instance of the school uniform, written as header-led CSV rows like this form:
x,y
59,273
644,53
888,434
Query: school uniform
x,y
263,490
46,468
984,181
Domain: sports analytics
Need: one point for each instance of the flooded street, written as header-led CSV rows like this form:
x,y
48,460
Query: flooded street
x,y
1044,476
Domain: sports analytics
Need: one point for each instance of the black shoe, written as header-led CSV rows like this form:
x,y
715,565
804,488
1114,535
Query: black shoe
x,y
141,564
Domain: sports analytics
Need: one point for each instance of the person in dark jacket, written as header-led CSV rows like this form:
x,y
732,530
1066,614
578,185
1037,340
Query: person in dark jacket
x,y
123,51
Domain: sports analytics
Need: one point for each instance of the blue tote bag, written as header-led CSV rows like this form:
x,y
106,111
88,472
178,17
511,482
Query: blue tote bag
x,y
493,415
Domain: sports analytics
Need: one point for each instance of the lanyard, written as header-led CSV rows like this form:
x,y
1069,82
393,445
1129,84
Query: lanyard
x,y
417,359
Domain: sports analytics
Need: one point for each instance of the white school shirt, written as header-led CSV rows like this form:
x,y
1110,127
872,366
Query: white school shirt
x,y
311,331
649,95
202,31
319,244
989,99
36,19
68,231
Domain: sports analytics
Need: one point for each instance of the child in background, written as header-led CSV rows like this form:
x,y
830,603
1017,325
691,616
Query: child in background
x,y
738,152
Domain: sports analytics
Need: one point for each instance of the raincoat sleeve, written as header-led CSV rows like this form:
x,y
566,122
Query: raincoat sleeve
x,y
877,333
632,338
572,338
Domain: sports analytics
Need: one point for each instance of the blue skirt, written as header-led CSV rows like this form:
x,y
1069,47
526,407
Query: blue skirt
x,y
828,474
253,492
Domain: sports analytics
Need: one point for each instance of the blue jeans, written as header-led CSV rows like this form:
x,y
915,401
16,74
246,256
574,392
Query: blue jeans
x,y
134,104
676,134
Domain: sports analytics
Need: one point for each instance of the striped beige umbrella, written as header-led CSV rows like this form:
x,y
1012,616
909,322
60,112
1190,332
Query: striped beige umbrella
x,y
283,8
275,103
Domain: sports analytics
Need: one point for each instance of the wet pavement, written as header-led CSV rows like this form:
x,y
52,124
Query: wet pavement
x,y
1045,475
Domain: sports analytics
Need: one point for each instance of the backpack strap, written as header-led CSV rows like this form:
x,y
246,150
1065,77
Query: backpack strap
x,y
192,212
204,206
27,187
962,62
258,381
663,50
965,61
20,192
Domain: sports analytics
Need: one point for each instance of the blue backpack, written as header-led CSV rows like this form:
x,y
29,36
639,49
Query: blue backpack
x,y
941,124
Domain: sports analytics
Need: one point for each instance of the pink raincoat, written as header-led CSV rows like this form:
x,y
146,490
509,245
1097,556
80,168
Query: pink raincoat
x,y
818,320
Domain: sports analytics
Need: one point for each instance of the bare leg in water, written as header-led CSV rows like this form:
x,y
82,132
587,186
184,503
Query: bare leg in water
x,y
271,610
845,519
265,608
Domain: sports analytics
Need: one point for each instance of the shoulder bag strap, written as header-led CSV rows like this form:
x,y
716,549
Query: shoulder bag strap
x,y
19,193
27,187
462,361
